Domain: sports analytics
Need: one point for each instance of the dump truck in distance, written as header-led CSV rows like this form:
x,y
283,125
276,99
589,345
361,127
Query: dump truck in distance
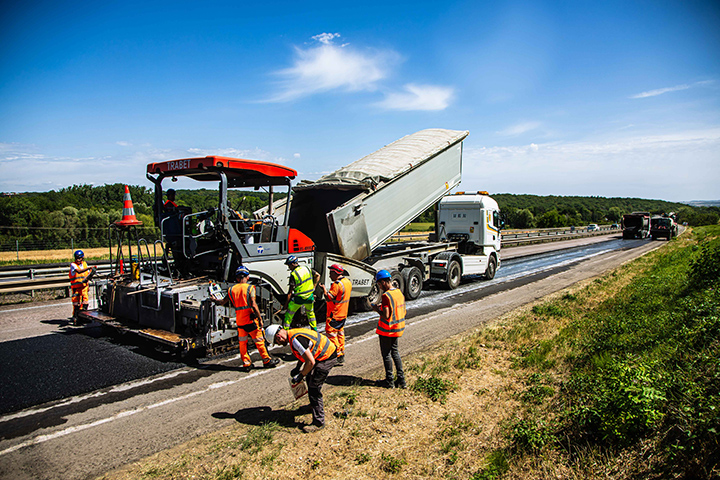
x,y
636,225
663,227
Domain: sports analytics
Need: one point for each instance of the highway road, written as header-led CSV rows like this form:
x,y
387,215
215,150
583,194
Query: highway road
x,y
76,402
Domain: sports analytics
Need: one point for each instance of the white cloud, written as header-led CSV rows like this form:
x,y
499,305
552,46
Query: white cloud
x,y
296,155
678,166
519,129
124,144
660,91
326,38
418,97
327,67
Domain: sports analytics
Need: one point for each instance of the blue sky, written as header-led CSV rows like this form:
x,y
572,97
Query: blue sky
x,y
560,98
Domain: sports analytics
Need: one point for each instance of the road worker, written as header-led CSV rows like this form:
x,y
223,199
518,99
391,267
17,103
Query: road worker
x,y
390,328
338,300
248,318
170,205
316,356
303,281
79,278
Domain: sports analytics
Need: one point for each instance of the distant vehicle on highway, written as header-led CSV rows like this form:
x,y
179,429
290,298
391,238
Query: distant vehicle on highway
x,y
592,227
614,226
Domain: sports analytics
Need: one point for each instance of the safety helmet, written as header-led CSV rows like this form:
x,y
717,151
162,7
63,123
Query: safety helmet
x,y
336,268
79,254
291,260
270,333
382,275
242,271
170,190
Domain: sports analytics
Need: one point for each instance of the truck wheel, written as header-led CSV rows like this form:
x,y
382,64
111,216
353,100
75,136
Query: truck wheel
x,y
397,280
491,268
413,282
453,275
363,304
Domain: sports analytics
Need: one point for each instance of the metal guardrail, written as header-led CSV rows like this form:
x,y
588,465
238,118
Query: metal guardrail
x,y
24,279
36,277
513,237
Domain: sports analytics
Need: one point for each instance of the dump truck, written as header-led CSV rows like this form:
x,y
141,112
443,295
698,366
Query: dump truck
x,y
163,291
663,227
354,210
636,225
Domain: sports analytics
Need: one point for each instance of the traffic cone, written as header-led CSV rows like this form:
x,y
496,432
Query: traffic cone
x,y
128,218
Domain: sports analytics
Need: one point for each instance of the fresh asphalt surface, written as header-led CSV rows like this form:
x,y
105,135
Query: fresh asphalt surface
x,y
75,361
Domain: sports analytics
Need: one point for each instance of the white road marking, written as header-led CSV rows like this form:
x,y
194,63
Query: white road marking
x,y
78,428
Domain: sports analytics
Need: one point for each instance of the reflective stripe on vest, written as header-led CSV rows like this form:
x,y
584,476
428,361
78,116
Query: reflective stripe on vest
x,y
395,325
76,279
338,307
302,276
320,346
241,298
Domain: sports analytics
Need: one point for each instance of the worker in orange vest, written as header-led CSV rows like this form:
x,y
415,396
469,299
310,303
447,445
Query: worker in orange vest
x,y
242,297
338,300
391,326
79,278
316,356
170,205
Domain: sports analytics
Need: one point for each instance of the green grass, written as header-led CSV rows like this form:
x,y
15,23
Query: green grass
x,y
419,227
644,366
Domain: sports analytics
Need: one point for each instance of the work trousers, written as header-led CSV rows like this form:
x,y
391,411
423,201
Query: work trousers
x,y
336,336
257,336
391,354
315,380
294,306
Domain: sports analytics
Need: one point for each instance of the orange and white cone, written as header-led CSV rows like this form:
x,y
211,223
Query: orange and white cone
x,y
128,218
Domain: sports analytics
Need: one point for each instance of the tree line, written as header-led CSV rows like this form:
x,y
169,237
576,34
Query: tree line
x,y
82,213
551,211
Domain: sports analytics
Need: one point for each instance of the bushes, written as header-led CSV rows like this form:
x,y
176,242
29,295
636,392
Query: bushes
x,y
705,267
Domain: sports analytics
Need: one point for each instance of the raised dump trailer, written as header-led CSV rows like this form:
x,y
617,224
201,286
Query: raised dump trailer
x,y
636,225
354,210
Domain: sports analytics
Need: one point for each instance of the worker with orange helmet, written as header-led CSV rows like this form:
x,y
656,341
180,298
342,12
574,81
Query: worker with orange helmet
x,y
248,318
79,278
316,356
391,326
338,301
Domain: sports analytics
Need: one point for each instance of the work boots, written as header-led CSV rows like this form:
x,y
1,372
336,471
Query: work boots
x,y
272,363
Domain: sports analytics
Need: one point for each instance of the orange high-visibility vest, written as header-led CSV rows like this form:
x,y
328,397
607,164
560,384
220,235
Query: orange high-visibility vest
x,y
320,346
395,325
76,279
339,302
241,295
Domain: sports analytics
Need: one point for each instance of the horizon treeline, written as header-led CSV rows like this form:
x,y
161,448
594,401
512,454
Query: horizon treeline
x,y
81,214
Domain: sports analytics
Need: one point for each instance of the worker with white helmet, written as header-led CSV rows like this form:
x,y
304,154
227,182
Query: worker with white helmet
x,y
316,356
